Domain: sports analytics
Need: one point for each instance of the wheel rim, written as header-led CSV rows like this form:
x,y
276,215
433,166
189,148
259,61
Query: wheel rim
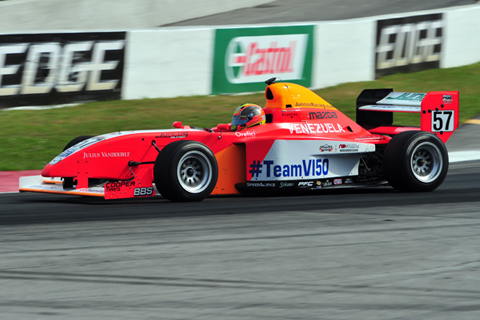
x,y
194,172
426,162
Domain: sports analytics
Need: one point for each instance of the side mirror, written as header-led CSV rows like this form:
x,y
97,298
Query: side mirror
x,y
223,127
177,124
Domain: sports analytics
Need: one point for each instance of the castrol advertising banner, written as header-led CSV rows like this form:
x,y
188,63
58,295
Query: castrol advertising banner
x,y
245,57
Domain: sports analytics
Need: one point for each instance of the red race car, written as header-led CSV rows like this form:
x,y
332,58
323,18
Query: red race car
x,y
298,141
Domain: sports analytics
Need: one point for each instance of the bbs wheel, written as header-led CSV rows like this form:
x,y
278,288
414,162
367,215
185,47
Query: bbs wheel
x,y
415,161
185,171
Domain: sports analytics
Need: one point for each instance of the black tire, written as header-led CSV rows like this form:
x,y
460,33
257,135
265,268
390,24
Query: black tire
x,y
75,141
68,182
185,171
415,161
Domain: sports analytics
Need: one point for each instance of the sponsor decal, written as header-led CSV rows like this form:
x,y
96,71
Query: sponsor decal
x,y
314,105
245,57
294,159
39,69
106,155
127,189
306,168
262,56
310,184
404,98
447,99
305,184
246,134
337,182
287,113
312,128
173,135
326,148
286,184
327,183
143,192
116,186
322,115
409,44
348,181
350,147
370,138
261,184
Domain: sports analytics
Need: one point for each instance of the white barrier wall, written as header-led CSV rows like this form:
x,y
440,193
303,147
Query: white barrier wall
x,y
171,62
343,52
34,15
168,62
462,37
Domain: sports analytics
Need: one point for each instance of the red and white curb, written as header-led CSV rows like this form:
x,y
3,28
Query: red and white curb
x,y
9,179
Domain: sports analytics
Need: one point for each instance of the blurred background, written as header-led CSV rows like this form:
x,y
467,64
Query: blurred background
x,y
63,51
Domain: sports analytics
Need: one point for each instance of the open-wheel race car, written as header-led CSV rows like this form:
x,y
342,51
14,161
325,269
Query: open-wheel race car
x,y
298,141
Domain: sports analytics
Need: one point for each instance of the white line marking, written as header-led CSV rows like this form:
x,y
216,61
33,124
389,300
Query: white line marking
x,y
459,156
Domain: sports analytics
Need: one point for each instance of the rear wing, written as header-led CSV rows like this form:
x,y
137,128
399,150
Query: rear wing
x,y
439,112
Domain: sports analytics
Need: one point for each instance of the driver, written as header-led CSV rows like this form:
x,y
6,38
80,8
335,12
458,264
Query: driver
x,y
246,116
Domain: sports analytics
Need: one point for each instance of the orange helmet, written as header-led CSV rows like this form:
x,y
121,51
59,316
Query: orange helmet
x,y
246,116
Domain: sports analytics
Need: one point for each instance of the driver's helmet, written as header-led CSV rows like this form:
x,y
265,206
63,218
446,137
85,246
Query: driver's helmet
x,y
246,116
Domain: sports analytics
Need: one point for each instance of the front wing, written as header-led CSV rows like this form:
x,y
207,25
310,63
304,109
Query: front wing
x,y
109,191
54,185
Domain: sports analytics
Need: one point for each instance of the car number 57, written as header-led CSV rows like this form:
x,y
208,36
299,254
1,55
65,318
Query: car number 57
x,y
442,120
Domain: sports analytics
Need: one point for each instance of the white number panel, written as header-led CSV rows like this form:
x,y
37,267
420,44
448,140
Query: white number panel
x,y
443,120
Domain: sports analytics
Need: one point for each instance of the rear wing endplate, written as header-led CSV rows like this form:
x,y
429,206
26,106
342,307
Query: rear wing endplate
x,y
439,111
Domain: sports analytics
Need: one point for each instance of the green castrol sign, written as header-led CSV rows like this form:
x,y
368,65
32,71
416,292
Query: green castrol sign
x,y
245,57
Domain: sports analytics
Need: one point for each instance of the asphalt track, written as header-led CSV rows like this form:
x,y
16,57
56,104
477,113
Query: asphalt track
x,y
319,10
353,254
357,254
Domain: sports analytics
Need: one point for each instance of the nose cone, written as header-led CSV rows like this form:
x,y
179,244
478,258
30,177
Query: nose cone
x,y
47,171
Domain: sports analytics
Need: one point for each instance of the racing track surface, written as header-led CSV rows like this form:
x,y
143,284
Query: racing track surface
x,y
364,254
316,10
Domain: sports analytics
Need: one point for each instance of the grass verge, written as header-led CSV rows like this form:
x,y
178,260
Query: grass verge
x,y
28,139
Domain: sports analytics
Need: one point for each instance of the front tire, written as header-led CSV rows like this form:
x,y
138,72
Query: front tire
x,y
76,141
415,161
185,171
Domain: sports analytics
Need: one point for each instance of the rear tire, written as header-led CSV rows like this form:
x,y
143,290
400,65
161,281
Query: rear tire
x,y
415,161
185,171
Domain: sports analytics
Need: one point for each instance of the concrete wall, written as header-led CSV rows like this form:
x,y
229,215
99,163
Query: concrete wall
x,y
36,15
168,63
178,61
462,37
344,52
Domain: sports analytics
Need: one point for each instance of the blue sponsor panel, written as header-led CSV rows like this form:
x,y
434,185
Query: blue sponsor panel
x,y
308,168
307,160
312,168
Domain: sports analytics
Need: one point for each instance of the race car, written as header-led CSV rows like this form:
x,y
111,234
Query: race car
x,y
297,141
